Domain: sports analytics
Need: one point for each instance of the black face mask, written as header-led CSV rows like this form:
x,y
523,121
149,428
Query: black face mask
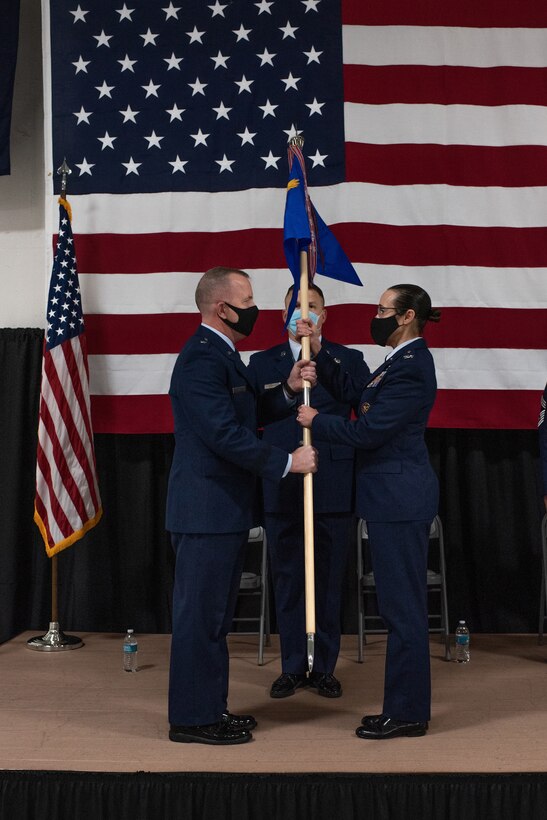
x,y
381,329
246,319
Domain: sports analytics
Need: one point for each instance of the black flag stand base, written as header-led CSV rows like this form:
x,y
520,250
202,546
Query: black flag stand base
x,y
54,640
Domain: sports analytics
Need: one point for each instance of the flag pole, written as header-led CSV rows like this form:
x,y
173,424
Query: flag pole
x,y
310,248
309,562
55,639
305,265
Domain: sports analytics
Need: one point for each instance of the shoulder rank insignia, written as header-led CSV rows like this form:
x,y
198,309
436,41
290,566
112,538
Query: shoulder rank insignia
x,y
409,355
365,407
377,379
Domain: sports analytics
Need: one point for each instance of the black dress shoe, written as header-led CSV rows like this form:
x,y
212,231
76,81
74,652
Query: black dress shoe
x,y
246,722
217,734
287,684
387,727
372,720
326,684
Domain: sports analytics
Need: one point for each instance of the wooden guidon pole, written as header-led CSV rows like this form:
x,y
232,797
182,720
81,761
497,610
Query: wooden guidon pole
x,y
308,481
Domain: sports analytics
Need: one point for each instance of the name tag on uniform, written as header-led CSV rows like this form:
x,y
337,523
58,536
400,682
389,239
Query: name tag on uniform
x,y
377,379
241,388
271,385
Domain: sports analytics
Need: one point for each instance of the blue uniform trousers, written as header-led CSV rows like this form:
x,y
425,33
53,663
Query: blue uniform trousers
x,y
207,579
286,550
399,559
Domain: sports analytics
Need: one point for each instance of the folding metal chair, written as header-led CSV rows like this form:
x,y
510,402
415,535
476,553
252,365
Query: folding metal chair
x,y
255,584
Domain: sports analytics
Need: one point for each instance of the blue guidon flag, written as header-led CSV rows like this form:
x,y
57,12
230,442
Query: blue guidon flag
x,y
305,230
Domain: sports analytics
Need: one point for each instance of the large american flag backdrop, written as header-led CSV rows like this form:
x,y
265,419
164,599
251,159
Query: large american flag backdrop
x,y
425,129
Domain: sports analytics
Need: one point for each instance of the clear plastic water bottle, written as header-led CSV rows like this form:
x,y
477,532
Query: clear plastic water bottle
x,y
130,652
462,643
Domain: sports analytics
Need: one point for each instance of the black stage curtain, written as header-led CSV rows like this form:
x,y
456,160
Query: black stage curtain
x,y
141,796
120,574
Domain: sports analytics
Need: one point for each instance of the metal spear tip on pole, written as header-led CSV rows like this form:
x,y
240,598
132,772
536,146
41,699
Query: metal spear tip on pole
x,y
64,170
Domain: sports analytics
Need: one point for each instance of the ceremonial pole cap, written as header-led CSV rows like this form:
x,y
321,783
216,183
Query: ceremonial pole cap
x,y
64,170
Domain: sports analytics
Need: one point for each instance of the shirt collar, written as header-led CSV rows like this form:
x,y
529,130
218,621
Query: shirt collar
x,y
399,347
296,347
222,336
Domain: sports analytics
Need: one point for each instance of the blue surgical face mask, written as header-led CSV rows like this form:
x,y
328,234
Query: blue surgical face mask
x,y
297,314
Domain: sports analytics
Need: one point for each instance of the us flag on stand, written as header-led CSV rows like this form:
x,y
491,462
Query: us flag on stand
x,y
67,500
425,130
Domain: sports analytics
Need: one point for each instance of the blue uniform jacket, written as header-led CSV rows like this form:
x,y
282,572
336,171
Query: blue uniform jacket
x,y
394,478
217,453
333,484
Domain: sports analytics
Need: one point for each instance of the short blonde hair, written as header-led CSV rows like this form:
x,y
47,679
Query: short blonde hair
x,y
211,282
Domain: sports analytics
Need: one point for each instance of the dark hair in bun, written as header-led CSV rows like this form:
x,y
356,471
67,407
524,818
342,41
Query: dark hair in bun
x,y
413,297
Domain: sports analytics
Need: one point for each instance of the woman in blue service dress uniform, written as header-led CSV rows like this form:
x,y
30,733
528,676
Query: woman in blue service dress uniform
x,y
397,492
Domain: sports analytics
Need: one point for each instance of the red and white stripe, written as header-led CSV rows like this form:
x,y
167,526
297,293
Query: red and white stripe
x,y
446,169
67,500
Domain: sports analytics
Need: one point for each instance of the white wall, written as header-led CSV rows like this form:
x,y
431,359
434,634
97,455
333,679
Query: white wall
x,y
24,259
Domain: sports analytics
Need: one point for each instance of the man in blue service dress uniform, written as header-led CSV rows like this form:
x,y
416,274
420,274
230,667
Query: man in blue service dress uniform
x,y
210,500
333,518
397,493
